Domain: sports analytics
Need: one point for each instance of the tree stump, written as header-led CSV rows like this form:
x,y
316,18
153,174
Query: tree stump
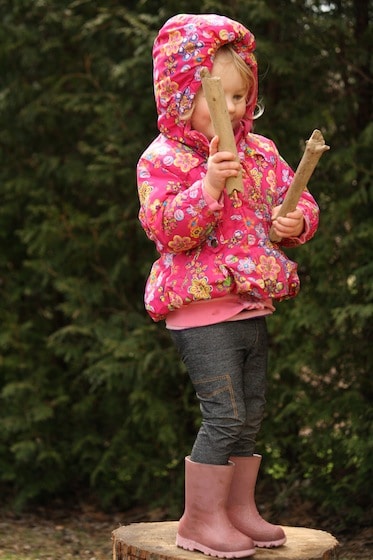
x,y
156,541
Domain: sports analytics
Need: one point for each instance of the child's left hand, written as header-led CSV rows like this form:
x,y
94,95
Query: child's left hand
x,y
291,225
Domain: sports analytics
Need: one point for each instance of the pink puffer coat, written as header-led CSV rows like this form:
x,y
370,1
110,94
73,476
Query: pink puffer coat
x,y
210,250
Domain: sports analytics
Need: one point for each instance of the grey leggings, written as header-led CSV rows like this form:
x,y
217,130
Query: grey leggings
x,y
227,364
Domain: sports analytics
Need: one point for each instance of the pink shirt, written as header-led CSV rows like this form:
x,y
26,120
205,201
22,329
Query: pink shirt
x,y
227,308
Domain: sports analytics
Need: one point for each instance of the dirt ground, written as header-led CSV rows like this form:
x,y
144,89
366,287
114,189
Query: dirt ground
x,y
86,534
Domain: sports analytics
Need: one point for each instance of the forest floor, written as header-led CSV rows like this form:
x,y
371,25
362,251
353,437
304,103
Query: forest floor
x,y
85,534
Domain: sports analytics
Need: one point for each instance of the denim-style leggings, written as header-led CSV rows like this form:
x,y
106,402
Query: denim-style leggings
x,y
227,364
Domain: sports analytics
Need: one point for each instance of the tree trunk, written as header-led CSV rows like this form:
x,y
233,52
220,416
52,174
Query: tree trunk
x,y
156,541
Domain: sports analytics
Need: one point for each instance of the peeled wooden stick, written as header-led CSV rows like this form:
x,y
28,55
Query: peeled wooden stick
x,y
315,147
215,98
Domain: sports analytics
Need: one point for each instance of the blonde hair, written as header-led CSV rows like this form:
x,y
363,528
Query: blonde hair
x,y
241,66
246,74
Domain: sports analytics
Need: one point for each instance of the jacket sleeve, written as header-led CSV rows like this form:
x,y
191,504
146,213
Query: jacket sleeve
x,y
306,203
176,215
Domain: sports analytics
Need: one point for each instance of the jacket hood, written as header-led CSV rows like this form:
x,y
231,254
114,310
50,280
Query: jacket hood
x,y
185,44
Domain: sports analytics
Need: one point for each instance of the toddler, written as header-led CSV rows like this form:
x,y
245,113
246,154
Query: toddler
x,y
218,273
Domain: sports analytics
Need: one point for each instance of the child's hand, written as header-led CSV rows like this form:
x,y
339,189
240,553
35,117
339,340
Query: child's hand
x,y
220,166
291,225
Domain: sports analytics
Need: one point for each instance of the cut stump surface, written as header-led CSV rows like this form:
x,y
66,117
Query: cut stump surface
x,y
156,541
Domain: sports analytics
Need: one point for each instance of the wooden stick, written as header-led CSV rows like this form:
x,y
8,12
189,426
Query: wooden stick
x,y
315,147
215,98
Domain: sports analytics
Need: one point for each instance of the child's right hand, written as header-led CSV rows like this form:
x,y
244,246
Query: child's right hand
x,y
220,166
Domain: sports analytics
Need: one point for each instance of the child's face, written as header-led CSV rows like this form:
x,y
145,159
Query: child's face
x,y
235,90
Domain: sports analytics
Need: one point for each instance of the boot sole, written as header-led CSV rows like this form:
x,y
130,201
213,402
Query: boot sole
x,y
188,544
270,544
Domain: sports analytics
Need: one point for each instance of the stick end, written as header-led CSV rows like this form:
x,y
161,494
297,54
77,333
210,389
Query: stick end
x,y
317,141
204,73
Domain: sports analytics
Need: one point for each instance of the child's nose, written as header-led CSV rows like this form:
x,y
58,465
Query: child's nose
x,y
230,105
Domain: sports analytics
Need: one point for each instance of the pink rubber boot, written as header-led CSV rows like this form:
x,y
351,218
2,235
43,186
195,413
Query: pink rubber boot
x,y
205,525
241,507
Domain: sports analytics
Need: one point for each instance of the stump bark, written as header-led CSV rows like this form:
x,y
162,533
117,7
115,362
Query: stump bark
x,y
156,541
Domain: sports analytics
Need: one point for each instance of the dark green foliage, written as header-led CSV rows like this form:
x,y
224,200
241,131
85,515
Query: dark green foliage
x,y
93,399
320,412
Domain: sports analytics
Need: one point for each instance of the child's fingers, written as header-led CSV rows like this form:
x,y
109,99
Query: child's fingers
x,y
296,214
222,157
214,144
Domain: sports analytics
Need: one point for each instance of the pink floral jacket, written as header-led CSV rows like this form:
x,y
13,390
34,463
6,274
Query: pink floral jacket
x,y
210,249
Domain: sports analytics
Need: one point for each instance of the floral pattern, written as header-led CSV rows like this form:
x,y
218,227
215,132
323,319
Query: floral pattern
x,y
209,249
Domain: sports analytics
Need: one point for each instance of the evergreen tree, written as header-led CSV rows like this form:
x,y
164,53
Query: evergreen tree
x,y
90,389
